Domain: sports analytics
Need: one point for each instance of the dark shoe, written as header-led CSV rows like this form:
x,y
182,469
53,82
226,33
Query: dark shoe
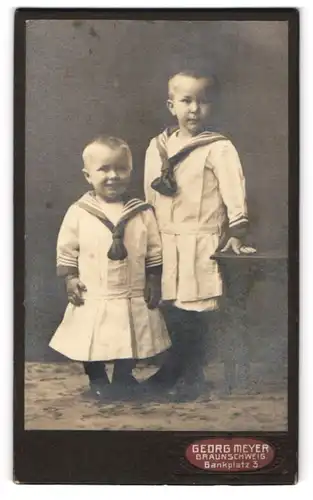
x,y
185,391
131,381
98,389
125,388
163,380
128,381
160,388
154,389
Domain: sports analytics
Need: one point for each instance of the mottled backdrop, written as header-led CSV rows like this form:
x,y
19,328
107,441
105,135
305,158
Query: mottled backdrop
x,y
86,77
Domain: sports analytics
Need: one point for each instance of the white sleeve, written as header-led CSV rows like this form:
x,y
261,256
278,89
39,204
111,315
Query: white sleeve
x,y
225,163
154,245
152,170
68,244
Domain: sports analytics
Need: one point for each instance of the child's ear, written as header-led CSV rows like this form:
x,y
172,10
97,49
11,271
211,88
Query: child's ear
x,y
86,175
170,107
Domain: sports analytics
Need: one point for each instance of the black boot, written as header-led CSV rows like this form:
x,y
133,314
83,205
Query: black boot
x,y
168,374
171,370
124,384
191,383
189,387
98,380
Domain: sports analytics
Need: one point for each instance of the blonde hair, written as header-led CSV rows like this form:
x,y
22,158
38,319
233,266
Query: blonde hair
x,y
197,75
114,143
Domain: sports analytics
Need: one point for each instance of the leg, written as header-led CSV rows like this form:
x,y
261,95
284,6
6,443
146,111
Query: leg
x,y
98,379
173,366
196,352
124,385
122,372
96,371
182,373
192,379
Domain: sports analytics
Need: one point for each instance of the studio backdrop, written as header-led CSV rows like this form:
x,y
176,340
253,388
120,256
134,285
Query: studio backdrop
x,y
84,78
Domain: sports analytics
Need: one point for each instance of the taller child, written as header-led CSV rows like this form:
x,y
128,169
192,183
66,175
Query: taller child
x,y
194,180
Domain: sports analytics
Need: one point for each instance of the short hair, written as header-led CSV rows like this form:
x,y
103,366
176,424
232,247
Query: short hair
x,y
114,143
197,75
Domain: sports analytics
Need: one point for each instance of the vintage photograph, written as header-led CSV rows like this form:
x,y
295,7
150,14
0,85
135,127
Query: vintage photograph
x,y
156,225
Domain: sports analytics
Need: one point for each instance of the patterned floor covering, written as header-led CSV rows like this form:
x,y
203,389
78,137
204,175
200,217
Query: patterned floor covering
x,y
54,400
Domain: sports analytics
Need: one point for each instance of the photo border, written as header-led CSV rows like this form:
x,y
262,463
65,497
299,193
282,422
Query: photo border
x,y
147,457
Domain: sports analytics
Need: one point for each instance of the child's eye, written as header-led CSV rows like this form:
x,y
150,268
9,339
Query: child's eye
x,y
104,168
121,168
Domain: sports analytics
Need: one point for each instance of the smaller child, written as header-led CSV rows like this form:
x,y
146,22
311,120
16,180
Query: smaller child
x,y
109,254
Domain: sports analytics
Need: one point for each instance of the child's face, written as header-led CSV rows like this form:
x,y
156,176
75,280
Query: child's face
x,y
190,103
108,171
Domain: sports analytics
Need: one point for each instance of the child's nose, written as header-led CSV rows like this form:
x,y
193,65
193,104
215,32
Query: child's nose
x,y
194,106
112,174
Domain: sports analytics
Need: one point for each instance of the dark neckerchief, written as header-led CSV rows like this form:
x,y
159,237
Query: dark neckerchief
x,y
132,206
166,184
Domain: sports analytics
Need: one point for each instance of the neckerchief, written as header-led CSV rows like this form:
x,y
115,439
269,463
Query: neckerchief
x,y
131,208
166,184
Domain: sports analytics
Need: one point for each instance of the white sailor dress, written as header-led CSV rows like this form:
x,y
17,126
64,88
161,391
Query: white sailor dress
x,y
202,201
114,322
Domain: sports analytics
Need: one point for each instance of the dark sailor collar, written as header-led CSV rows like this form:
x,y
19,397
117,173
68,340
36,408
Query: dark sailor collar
x,y
132,207
202,139
166,183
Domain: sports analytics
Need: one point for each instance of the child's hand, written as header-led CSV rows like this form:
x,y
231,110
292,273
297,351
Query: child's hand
x,y
236,246
74,288
153,291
